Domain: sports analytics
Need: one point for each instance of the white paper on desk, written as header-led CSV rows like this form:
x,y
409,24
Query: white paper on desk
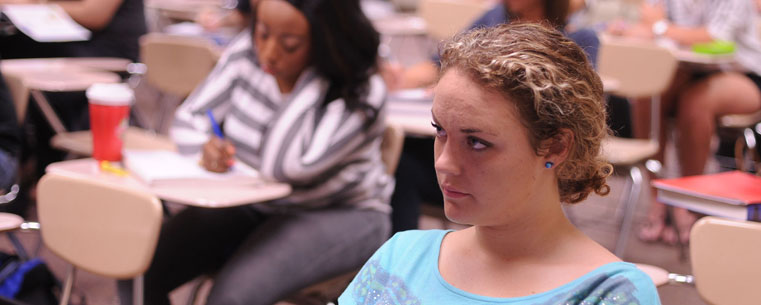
x,y
166,168
415,95
45,22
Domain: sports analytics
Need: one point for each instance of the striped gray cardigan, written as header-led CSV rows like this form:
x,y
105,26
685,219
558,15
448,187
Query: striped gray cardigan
x,y
329,154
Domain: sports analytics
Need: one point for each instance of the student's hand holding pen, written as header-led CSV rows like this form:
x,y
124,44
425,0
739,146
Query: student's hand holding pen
x,y
217,155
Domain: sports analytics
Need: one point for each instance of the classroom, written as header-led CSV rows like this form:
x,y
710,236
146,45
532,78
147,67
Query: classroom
x,y
304,152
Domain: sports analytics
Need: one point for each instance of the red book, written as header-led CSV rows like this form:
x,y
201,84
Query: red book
x,y
733,194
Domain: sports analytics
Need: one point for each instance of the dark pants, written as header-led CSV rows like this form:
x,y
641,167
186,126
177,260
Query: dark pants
x,y
415,184
257,258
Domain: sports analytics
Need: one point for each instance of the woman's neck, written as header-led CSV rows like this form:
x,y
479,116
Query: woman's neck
x,y
529,237
285,86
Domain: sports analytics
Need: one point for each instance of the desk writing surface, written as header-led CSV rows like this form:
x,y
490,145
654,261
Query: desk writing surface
x,y
80,142
182,9
688,56
413,115
400,24
64,74
112,64
58,80
58,75
682,53
194,195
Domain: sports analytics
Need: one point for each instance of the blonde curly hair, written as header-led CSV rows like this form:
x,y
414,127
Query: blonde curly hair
x,y
553,87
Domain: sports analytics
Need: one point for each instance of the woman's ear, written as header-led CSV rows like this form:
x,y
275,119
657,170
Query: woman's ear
x,y
559,146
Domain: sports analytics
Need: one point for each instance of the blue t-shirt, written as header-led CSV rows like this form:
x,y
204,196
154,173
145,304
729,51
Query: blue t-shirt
x,y
585,38
405,271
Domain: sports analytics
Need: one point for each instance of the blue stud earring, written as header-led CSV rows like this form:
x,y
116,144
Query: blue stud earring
x,y
548,164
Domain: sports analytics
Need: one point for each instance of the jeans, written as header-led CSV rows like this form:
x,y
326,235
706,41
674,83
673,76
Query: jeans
x,y
258,258
8,167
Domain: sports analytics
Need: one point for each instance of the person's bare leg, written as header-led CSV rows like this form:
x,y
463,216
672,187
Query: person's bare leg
x,y
654,227
697,110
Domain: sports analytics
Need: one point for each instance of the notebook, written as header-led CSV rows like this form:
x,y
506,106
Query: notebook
x,y
45,22
734,194
167,168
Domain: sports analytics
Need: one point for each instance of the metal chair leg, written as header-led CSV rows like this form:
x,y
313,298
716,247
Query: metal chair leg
x,y
137,290
635,174
20,251
68,285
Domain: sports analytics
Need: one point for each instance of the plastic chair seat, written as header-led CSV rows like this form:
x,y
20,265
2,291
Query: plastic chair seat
x,y
628,152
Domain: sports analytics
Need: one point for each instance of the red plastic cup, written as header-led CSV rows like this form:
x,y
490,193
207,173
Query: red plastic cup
x,y
109,113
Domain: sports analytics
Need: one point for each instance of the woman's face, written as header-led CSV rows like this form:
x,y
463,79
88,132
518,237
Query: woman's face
x,y
486,167
282,41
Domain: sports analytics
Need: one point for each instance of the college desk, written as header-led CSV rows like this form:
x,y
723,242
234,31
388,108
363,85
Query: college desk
x,y
193,194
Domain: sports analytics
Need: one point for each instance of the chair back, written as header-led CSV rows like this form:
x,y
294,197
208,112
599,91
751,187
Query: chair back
x,y
103,228
177,64
724,256
641,69
445,18
391,147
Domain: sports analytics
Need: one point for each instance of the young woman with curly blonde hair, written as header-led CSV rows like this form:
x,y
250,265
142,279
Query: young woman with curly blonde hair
x,y
519,117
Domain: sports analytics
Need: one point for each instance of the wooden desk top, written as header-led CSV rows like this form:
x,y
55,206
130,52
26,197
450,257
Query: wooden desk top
x,y
64,74
682,53
400,25
688,56
185,10
413,116
193,194
80,142
59,80
111,64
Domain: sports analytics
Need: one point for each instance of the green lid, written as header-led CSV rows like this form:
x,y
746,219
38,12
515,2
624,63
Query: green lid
x,y
715,47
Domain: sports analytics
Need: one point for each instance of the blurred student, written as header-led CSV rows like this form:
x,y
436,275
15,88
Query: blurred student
x,y
553,12
519,117
299,100
697,97
116,26
215,18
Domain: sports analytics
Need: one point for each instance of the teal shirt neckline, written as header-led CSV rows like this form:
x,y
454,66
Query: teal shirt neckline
x,y
553,291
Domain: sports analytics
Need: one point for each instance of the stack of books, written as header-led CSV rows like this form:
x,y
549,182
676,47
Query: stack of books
x,y
735,195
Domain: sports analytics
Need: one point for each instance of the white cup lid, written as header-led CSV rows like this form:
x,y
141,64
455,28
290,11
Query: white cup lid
x,y
110,94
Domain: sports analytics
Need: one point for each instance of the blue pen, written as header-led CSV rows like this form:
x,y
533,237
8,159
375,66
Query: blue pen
x,y
214,125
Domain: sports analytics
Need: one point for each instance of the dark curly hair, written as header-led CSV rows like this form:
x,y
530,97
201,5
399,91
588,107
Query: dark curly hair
x,y
553,86
344,46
